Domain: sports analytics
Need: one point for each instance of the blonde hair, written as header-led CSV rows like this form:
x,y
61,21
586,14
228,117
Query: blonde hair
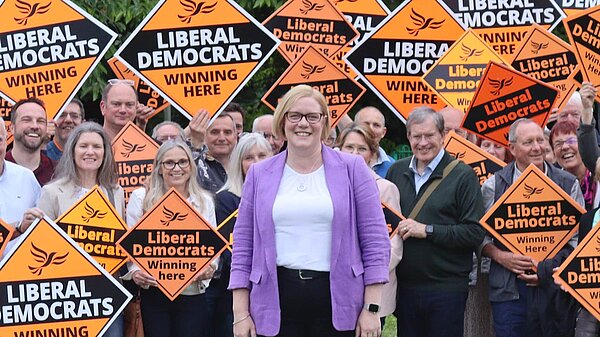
x,y
155,185
289,99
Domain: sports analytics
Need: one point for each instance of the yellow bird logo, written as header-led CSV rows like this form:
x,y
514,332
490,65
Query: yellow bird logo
x,y
172,216
422,23
529,191
45,259
92,213
308,6
469,52
131,148
30,10
536,47
309,70
499,85
192,9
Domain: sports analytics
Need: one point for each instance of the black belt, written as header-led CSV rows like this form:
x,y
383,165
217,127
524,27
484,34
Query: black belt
x,y
302,274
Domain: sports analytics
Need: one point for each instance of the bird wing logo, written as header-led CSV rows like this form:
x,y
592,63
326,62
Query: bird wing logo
x,y
92,213
44,259
171,216
131,148
308,6
469,52
500,84
340,1
309,70
537,46
192,9
529,191
421,23
598,242
30,10
458,155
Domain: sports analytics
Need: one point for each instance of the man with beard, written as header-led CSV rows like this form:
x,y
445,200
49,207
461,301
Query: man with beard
x,y
70,118
28,126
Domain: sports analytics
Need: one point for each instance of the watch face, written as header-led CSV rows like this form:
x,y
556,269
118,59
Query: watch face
x,y
373,308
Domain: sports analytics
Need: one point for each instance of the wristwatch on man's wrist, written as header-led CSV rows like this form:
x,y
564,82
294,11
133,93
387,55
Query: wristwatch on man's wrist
x,y
372,307
429,230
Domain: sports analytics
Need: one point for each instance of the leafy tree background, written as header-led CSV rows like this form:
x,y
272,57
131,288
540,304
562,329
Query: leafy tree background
x,y
123,16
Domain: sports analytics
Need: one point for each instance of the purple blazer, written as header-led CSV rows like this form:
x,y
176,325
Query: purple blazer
x,y
360,249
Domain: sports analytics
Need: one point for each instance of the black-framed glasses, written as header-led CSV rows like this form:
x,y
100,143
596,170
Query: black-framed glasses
x,y
73,115
311,117
115,81
169,164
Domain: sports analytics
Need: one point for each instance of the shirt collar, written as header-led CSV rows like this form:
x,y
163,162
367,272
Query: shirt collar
x,y
432,164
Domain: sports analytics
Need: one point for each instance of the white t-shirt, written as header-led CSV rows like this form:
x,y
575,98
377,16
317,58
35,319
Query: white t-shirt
x,y
303,215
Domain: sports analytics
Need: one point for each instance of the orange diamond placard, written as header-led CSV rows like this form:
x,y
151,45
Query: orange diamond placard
x,y
392,218
146,95
456,75
225,228
134,154
364,15
534,217
579,273
298,23
503,25
50,286
95,225
173,243
48,49
197,54
483,163
583,30
314,69
6,232
545,57
503,96
394,57
5,108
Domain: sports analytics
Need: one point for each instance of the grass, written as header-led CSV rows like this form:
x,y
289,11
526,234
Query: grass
x,y
389,329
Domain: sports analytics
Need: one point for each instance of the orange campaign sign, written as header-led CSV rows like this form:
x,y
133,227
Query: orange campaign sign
x,y
394,57
173,243
392,218
503,96
364,15
314,69
134,154
96,226
146,95
574,7
579,274
298,23
503,24
583,30
5,108
47,50
225,228
545,57
50,287
534,217
197,54
455,75
6,232
483,163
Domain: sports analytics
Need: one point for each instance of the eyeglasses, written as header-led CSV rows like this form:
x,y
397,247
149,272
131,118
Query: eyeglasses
x,y
73,115
311,117
568,141
115,81
169,164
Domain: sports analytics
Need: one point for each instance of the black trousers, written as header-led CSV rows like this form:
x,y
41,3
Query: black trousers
x,y
306,305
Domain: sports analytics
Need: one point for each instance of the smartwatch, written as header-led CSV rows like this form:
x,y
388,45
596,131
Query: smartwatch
x,y
372,307
429,230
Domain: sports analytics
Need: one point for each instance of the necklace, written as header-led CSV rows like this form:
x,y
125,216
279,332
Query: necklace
x,y
302,187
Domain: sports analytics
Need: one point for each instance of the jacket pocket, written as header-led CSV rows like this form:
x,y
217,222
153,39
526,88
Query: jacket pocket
x,y
358,270
255,277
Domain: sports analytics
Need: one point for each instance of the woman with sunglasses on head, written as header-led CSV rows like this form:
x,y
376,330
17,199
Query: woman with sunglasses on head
x,y
186,315
311,248
86,161
251,148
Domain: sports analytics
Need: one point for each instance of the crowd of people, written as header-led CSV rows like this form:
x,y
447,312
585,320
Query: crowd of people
x,y
312,254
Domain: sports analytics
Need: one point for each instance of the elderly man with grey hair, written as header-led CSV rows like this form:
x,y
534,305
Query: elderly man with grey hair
x,y
264,125
440,234
523,300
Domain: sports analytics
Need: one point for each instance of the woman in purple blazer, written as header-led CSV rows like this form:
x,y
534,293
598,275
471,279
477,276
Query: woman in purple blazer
x,y
311,248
